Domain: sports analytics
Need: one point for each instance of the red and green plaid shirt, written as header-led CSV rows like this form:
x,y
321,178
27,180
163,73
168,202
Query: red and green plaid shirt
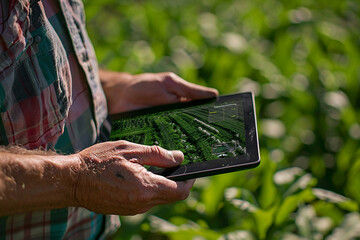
x,y
50,98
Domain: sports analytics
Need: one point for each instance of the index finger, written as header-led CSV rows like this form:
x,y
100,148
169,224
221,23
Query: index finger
x,y
153,155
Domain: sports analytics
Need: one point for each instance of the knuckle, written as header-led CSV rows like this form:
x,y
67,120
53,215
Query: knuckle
x,y
156,150
169,76
122,144
157,82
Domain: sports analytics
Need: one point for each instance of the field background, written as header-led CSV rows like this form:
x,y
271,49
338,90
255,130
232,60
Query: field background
x,y
301,59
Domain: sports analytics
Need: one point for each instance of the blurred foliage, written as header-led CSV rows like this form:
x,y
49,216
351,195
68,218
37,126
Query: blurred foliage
x,y
301,59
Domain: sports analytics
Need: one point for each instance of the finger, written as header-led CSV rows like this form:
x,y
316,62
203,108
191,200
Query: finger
x,y
177,155
167,97
154,156
169,191
158,189
181,192
182,88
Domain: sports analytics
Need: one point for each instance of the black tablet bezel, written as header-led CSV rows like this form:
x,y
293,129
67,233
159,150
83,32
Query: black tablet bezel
x,y
250,159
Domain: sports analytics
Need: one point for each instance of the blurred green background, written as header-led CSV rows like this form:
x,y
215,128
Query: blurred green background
x,y
301,59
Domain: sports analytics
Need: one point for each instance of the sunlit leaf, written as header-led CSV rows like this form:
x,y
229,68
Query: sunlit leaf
x,y
244,205
301,59
287,175
264,219
291,203
213,195
340,200
268,190
238,235
189,230
302,183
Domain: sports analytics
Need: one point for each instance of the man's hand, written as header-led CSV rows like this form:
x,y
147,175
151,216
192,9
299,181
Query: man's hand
x,y
112,179
125,92
107,178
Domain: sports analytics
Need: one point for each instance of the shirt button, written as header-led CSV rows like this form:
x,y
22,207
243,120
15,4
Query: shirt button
x,y
85,56
37,39
23,16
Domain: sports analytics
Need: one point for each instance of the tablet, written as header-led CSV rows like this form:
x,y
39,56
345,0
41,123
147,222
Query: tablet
x,y
217,135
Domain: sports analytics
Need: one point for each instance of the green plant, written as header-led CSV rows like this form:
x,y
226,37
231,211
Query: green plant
x,y
301,59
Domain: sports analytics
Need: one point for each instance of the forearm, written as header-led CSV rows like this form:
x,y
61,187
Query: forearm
x,y
31,180
107,77
114,85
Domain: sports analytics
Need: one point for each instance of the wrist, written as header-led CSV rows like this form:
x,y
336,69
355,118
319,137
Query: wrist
x,y
32,181
70,170
115,86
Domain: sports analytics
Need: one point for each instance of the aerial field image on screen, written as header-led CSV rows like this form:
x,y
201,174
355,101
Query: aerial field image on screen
x,y
202,133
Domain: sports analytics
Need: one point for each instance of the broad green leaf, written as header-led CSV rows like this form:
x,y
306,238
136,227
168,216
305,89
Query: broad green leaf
x,y
354,178
328,209
344,159
268,192
201,234
343,202
213,194
244,205
190,230
302,183
291,203
264,219
287,175
238,235
297,55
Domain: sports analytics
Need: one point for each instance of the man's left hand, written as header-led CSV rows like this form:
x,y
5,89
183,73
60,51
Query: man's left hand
x,y
126,92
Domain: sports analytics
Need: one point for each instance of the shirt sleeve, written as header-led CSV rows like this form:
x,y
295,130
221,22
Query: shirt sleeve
x,y
35,79
14,26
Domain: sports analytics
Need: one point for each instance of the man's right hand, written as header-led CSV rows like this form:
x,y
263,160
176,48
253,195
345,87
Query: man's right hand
x,y
112,180
106,178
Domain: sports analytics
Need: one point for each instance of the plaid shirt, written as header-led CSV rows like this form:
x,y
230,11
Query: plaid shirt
x,y
51,98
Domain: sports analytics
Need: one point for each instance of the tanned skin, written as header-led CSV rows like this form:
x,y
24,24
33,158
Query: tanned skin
x,y
109,177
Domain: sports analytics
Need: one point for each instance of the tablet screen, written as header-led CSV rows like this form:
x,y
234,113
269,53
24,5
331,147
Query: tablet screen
x,y
202,130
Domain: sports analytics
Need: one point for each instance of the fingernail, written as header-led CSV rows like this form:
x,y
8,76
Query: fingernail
x,y
177,156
